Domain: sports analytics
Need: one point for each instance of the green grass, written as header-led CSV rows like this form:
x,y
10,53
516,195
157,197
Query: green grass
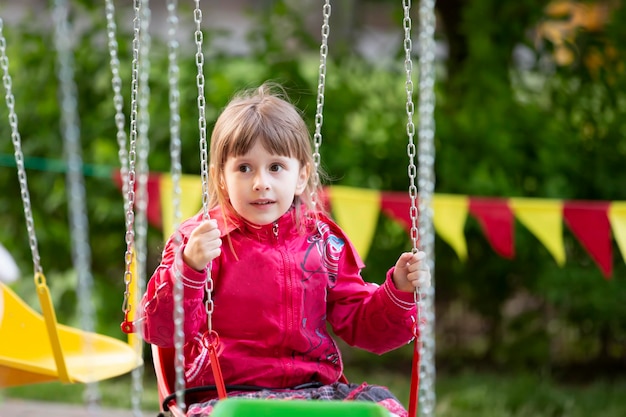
x,y
467,394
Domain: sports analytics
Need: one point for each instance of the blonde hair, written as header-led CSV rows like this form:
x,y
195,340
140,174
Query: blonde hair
x,y
262,114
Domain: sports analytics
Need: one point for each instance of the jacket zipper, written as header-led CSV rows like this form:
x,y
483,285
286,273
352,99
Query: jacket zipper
x,y
288,369
275,230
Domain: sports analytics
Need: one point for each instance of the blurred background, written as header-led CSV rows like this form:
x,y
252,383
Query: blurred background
x,y
530,102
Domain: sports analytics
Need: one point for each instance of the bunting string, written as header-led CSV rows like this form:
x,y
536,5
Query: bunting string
x,y
593,223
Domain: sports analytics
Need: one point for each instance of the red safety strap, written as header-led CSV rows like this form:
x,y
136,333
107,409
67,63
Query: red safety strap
x,y
212,343
415,373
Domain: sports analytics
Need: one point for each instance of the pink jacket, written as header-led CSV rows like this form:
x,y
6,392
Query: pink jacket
x,y
274,290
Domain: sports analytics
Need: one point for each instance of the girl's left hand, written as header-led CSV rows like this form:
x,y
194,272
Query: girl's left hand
x,y
411,272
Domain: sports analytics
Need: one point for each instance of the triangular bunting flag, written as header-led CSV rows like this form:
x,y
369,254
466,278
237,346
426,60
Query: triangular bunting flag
x,y
496,219
617,217
190,201
544,219
396,205
356,211
588,221
449,217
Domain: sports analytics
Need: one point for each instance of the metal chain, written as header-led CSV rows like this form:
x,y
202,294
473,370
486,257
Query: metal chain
x,y
123,154
176,173
132,156
118,98
143,117
79,223
204,168
319,110
426,183
141,147
141,222
410,126
204,158
19,155
411,153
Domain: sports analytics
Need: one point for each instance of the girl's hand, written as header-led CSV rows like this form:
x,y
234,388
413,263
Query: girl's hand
x,y
203,246
411,272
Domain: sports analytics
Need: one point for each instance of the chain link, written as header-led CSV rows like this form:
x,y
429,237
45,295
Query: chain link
x,y
19,155
319,109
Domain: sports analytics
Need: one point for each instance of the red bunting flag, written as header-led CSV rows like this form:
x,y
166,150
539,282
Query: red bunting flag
x,y
153,210
496,219
589,222
397,205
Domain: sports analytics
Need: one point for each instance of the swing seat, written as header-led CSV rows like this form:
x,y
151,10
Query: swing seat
x,y
27,356
163,359
165,372
240,407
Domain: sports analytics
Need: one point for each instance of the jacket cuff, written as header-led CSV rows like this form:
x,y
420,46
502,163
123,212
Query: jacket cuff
x,y
402,299
191,278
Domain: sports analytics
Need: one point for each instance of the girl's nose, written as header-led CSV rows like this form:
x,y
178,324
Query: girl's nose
x,y
261,182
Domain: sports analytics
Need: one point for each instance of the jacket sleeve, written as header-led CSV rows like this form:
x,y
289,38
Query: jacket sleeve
x,y
376,318
157,304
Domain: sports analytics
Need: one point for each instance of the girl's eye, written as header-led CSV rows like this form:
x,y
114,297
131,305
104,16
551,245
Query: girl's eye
x,y
244,168
275,167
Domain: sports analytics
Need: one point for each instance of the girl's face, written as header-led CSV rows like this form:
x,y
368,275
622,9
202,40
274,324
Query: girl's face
x,y
261,186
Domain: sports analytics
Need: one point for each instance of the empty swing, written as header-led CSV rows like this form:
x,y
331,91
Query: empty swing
x,y
71,355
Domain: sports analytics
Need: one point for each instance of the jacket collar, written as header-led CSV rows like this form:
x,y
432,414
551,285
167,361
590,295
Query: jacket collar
x,y
285,225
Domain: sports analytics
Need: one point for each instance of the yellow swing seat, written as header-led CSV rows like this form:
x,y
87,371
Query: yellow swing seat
x,y
35,349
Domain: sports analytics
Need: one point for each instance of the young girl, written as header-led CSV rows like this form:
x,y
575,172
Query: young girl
x,y
281,270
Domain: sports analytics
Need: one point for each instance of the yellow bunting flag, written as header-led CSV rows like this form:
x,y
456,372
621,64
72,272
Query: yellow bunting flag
x,y
356,211
544,219
617,217
190,200
449,217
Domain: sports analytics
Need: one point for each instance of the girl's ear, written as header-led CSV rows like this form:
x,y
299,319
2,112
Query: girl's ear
x,y
218,178
303,179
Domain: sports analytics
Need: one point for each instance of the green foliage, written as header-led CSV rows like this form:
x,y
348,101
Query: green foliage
x,y
501,130
508,130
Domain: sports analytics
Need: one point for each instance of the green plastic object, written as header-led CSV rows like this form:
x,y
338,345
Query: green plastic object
x,y
247,407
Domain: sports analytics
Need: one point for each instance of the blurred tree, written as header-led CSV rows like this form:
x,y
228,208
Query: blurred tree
x,y
533,126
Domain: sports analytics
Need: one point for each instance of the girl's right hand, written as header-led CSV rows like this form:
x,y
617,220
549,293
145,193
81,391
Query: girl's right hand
x,y
203,246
